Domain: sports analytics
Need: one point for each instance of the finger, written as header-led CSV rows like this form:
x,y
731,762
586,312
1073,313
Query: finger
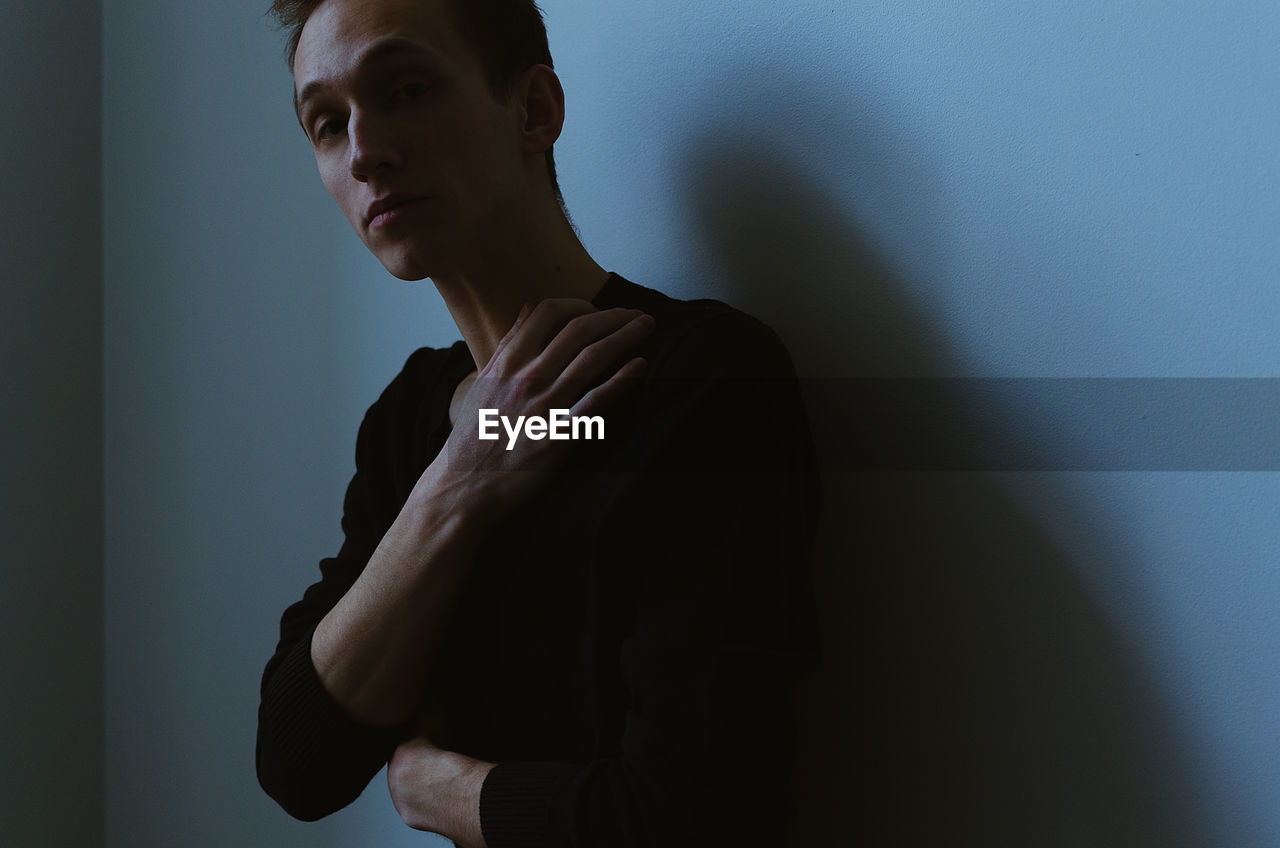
x,y
579,335
605,395
600,359
543,322
521,317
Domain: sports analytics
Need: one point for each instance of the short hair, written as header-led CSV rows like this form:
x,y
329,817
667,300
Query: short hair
x,y
508,36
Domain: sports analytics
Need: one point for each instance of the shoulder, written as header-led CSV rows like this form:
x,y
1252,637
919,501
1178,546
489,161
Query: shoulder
x,y
398,436
703,338
399,423
409,394
425,367
719,393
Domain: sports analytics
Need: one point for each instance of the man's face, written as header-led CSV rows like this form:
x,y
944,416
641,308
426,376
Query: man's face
x,y
409,139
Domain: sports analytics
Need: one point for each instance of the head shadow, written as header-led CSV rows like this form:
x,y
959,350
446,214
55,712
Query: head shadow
x,y
974,689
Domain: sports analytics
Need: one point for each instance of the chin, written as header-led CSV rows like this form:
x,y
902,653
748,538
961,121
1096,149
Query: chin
x,y
405,267
409,276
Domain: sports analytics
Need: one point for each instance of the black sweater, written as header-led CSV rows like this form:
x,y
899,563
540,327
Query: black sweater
x,y
626,644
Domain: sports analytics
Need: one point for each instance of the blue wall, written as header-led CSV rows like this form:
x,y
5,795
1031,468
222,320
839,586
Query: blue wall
x,y
1026,652
1076,649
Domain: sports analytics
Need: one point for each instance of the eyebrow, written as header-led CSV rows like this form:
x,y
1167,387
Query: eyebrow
x,y
379,51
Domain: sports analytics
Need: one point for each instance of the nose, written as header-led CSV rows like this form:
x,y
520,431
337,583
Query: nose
x,y
372,146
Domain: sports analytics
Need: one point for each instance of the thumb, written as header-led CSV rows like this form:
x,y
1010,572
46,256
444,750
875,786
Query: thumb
x,y
515,327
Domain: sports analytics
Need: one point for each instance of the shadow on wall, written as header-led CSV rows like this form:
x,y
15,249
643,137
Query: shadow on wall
x,y
972,693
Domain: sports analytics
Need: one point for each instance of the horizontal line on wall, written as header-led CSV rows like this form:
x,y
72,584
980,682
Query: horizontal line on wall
x,y
1046,424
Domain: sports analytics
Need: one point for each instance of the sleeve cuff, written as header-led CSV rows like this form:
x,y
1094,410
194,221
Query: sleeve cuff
x,y
313,758
516,802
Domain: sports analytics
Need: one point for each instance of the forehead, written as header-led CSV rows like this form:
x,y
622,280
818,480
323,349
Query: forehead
x,y
340,34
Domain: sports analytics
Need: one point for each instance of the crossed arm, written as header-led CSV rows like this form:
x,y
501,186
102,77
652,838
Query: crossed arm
x,y
705,684
371,649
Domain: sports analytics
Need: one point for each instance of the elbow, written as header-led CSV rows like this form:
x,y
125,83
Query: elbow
x,y
300,792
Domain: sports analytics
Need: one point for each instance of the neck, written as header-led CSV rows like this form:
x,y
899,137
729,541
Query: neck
x,y
539,260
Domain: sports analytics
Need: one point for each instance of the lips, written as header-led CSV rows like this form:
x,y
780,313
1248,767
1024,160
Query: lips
x,y
382,210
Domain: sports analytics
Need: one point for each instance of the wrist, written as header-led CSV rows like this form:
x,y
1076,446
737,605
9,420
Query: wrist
x,y
447,504
439,791
465,501
466,830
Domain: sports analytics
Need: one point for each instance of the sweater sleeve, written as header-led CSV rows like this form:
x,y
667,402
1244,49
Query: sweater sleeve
x,y
311,756
709,539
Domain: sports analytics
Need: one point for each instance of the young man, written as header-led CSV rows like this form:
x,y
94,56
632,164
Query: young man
x,y
547,641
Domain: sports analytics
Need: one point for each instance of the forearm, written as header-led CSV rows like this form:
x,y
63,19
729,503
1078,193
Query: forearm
x,y
359,652
438,790
374,649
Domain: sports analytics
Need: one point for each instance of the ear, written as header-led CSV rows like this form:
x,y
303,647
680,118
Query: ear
x,y
542,113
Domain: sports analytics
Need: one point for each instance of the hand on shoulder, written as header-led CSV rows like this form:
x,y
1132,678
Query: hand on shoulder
x,y
563,354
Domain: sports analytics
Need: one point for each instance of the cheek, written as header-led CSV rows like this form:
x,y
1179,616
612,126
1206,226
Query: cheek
x,y
340,186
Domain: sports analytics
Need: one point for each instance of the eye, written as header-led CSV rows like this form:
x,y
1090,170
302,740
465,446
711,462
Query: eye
x,y
327,128
410,91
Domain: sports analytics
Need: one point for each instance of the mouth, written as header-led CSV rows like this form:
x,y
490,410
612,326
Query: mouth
x,y
385,210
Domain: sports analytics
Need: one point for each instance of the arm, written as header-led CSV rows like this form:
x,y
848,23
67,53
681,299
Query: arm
x,y
370,651
335,699
707,537
706,749
438,791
